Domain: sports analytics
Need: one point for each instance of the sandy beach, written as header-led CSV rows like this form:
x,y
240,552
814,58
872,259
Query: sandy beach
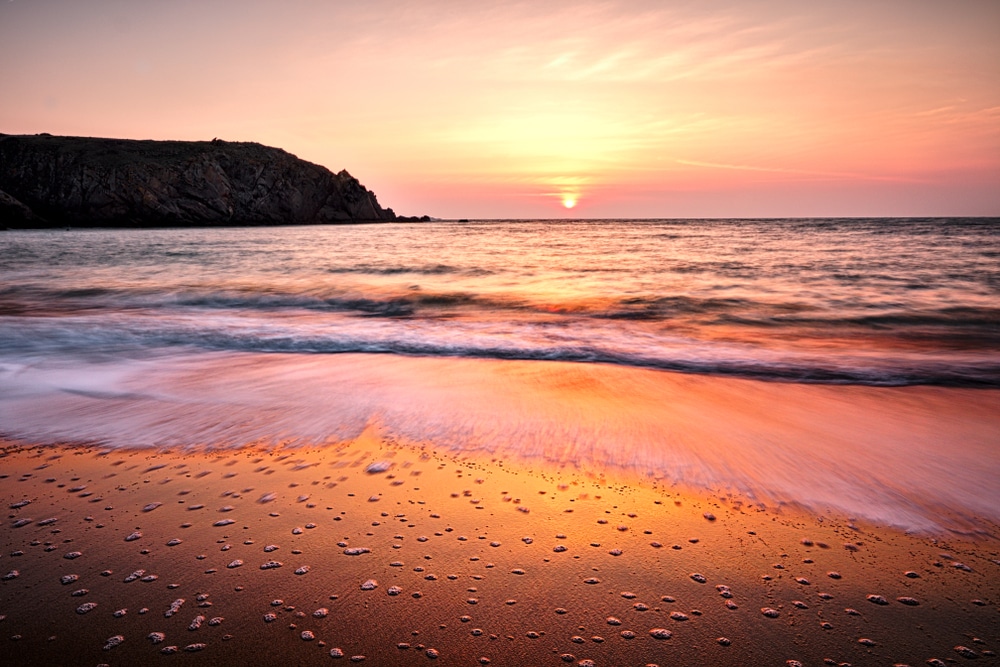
x,y
400,553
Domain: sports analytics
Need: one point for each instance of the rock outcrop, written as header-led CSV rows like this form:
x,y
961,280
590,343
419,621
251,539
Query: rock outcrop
x,y
55,181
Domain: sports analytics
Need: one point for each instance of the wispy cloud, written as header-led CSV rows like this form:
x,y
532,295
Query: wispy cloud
x,y
839,175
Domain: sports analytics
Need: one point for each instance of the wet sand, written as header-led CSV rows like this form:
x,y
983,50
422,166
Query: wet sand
x,y
468,559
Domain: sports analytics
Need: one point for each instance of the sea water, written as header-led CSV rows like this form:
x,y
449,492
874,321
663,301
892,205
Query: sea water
x,y
217,337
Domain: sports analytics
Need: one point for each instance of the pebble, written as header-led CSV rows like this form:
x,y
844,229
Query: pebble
x,y
156,637
174,542
833,575
559,548
135,575
613,620
175,607
724,641
302,570
678,616
68,579
336,653
615,552
22,522
724,591
709,516
700,578
911,574
307,635
119,613
235,564
270,617
271,564
223,522
966,652
85,607
877,599
196,623
864,641
132,537
660,633
769,612
800,604
150,507
192,648
592,581
169,650
215,620
113,642
356,551
369,585
80,593
13,574
378,466
72,555
912,602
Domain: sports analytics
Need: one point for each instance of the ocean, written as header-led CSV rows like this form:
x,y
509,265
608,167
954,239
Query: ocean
x,y
222,337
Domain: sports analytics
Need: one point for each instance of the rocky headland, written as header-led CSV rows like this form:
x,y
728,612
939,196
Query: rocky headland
x,y
48,181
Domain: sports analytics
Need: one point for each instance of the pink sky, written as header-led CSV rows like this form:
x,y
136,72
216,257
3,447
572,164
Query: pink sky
x,y
489,109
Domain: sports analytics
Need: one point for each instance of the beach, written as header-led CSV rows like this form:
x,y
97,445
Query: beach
x,y
265,550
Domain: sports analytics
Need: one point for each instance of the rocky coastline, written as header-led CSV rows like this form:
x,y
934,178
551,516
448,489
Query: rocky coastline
x,y
55,181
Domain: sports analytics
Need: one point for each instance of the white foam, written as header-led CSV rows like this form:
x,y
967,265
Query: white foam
x,y
888,455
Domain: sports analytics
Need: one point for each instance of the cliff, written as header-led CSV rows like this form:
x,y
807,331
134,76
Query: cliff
x,y
54,181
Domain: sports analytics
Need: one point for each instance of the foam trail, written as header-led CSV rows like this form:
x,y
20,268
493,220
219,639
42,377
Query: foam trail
x,y
916,457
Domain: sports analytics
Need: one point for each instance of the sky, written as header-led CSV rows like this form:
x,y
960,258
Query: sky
x,y
461,109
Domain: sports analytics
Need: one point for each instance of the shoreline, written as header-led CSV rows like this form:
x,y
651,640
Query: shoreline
x,y
530,599
887,455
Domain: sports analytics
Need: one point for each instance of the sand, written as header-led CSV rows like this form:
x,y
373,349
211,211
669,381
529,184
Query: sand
x,y
407,554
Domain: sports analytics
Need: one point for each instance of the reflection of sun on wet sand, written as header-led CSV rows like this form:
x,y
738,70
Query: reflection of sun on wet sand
x,y
397,553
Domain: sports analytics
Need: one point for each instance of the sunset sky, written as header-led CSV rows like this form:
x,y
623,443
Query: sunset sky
x,y
499,109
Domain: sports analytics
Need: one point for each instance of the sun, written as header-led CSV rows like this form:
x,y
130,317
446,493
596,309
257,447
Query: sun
x,y
569,201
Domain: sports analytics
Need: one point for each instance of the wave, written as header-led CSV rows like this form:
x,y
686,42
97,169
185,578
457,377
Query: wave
x,y
960,320
131,337
890,455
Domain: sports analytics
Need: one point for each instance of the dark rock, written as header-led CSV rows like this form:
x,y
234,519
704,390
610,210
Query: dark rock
x,y
56,181
15,214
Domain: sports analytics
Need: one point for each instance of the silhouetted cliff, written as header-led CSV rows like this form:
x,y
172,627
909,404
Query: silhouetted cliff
x,y
53,181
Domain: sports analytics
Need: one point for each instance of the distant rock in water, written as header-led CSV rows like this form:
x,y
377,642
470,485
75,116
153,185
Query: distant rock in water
x,y
48,181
